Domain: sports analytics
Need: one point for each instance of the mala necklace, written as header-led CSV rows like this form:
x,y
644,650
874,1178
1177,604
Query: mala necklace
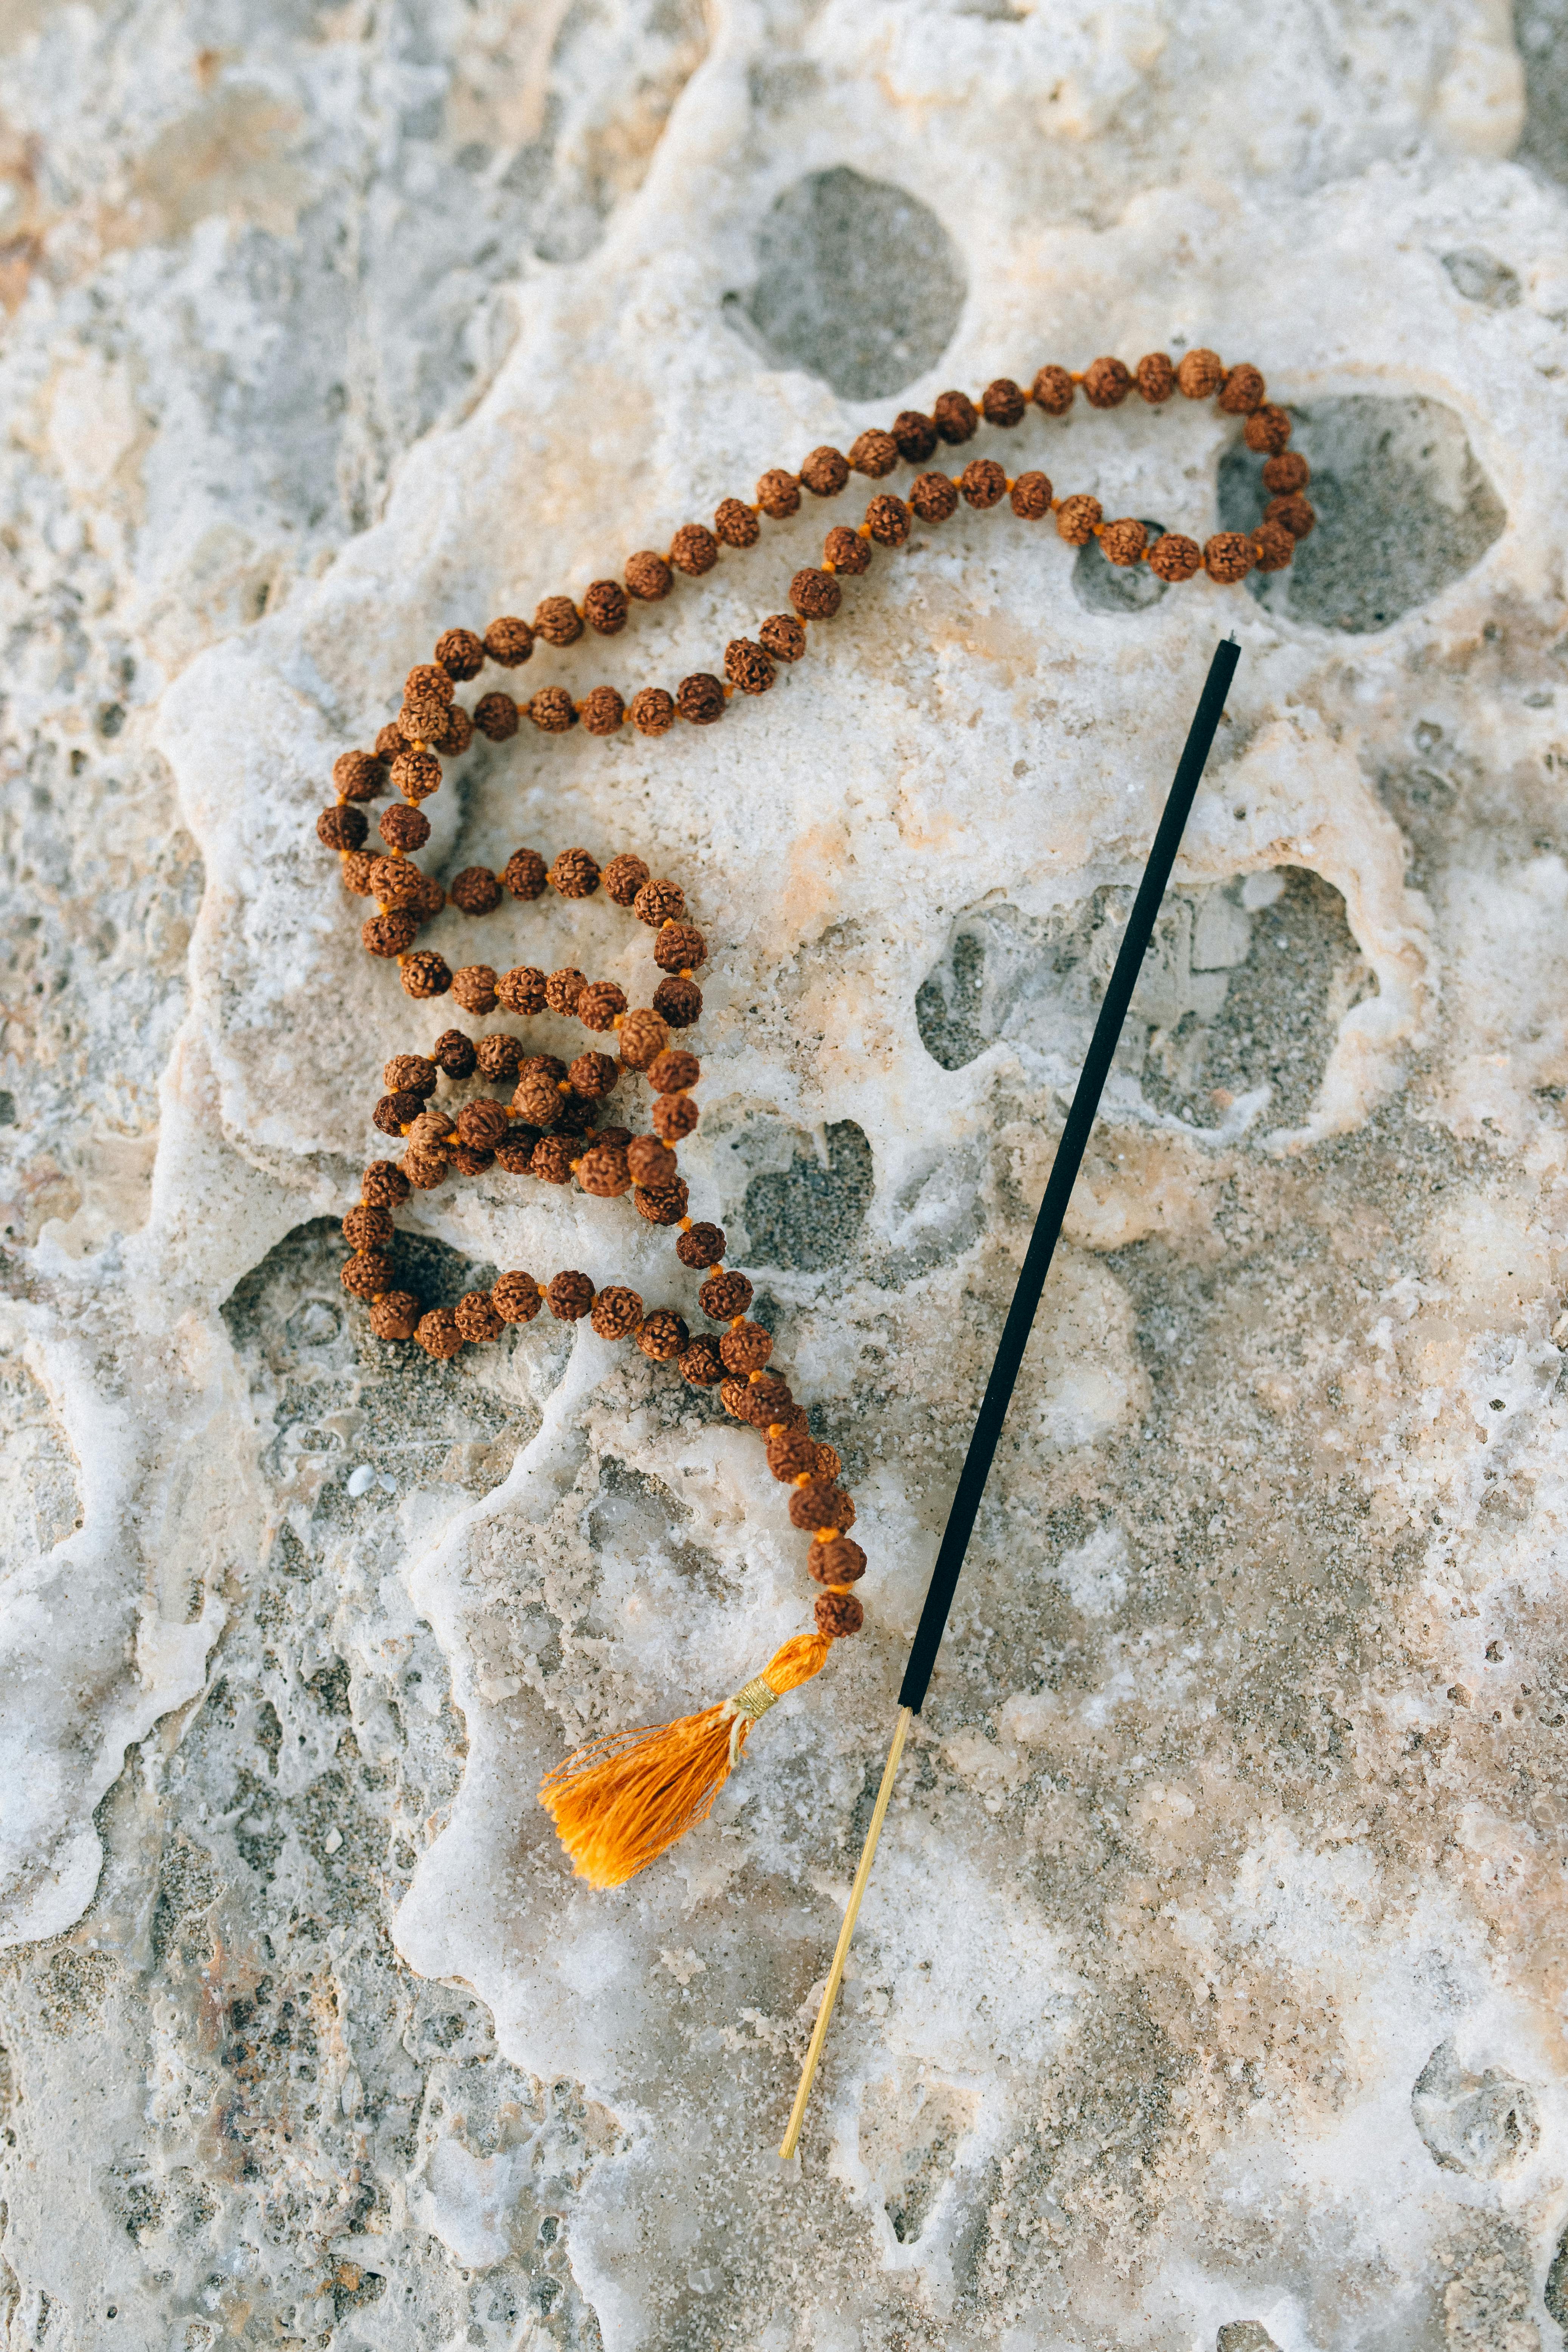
x,y
621,1801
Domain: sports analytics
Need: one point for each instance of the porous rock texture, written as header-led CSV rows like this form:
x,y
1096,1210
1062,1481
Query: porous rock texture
x,y
1211,1988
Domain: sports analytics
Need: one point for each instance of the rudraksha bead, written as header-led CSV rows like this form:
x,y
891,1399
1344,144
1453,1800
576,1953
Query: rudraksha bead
x,y
675,1115
735,524
838,1561
874,452
416,774
457,734
514,1152
355,869
525,874
1273,548
390,741
425,974
1106,383
394,1314
679,946
602,1171
1267,430
562,989
359,776
482,1123
430,1128
983,482
698,1363
569,1296
1004,401
782,635
593,1075
1242,391
1124,541
1286,473
1296,513
659,901
475,891
649,576
427,682
460,653
385,1185
1173,558
576,873
677,1001
815,594
454,1052
438,1335
343,827
661,1204
495,714
616,1138
521,991
367,1227
652,1164
1227,557
694,550
605,607
623,877
599,1002
888,520
475,988
1053,390
838,1614
396,1111
953,414
1199,374
1031,496
615,1313
396,883
770,1397
365,1273
1076,519
746,1349
792,1455
1156,378
915,434
825,472
425,1168
828,1461
700,699
424,721
429,896
673,1072
747,667
845,550
933,497
818,1505
651,711
467,1161
663,1335
497,1054
702,1246
543,1066
558,621
476,1319
778,494
601,711
508,641
536,1100
391,934
517,1298
402,827
723,1297
552,711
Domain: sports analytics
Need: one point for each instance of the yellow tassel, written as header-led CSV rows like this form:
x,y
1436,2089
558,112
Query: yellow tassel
x,y
622,1800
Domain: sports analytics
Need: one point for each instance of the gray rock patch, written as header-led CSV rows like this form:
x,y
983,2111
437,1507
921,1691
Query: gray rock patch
x,y
1113,588
1485,2124
1482,278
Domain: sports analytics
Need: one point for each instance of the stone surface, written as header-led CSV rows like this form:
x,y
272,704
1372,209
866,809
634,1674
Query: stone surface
x,y
1210,1990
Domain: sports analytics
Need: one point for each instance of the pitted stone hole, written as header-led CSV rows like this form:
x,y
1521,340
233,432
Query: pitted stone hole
x,y
857,282
1480,276
1245,2336
1102,587
1483,2125
808,1215
1540,30
1404,510
912,2126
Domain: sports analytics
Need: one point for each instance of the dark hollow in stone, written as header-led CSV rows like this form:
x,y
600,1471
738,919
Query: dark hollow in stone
x,y
808,1216
1117,588
1540,30
858,281
1482,278
1403,508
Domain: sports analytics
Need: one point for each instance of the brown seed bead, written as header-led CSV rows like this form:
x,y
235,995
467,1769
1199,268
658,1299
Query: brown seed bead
x,y
457,734
424,722
562,989
396,883
782,635
792,1455
679,946
508,641
416,774
651,711
404,828
700,699
396,1111
475,891
825,472
359,776
576,873
677,1001
747,667
481,1124
569,1296
736,525
514,1152
1173,558
495,714
1124,541
423,1168
1053,390
389,935
953,414
699,1364
1106,383
1267,430
653,1165
1076,519
1004,401
915,434
664,1336
601,711
1156,378
605,607
770,1397
598,1004
343,827
390,741
1272,547
521,991
818,1505
425,974
874,452
593,1075
746,1349
429,896
558,621
778,494
983,482
738,1398
838,1561
659,901
475,988
615,1313
409,1074
460,653
661,1204
1286,473
1199,374
603,1171
469,1162
524,874
933,497
888,520
517,1298
838,1614
702,1246
723,1297
816,595
674,1072
385,1185
536,1100
477,1319
355,868
498,1056
552,711
1031,496
845,550
828,1462
543,1066
365,1273
366,1227
643,1037
438,1335
623,878
430,1128
394,1314
1296,514
674,1116
649,576
618,1137
1242,391
1227,557
427,682
454,1054
693,550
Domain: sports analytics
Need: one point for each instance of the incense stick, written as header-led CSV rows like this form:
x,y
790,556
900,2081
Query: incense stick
x,y
1020,1320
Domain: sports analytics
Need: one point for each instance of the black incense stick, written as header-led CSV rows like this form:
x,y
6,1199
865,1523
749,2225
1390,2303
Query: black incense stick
x,y
1026,1299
